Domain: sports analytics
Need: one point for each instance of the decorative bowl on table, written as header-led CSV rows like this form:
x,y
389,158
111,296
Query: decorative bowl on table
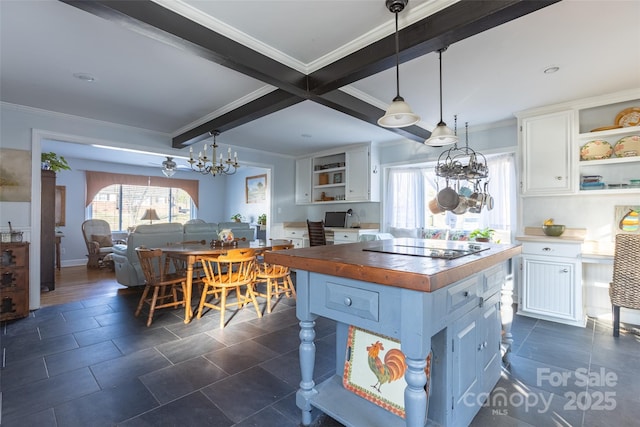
x,y
553,230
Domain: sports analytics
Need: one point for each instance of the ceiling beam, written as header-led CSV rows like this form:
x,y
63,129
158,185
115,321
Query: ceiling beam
x,y
457,22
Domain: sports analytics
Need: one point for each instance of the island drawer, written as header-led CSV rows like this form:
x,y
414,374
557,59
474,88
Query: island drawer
x,y
493,280
462,294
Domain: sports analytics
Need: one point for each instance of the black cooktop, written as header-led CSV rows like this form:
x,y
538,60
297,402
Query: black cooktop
x,y
428,248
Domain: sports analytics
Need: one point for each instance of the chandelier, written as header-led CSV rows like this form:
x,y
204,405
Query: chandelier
x,y
213,165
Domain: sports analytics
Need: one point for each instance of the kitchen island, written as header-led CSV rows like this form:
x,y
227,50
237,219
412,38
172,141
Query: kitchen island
x,y
448,306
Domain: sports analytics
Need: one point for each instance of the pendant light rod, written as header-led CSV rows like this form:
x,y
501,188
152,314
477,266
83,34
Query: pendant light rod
x,y
440,61
397,60
398,114
441,135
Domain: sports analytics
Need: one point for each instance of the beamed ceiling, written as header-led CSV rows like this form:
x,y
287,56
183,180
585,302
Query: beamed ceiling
x,y
448,26
294,77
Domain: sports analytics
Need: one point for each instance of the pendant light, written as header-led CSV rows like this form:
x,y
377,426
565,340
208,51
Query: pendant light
x,y
399,113
442,134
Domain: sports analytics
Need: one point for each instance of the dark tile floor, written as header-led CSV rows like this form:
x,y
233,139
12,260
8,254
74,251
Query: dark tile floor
x,y
92,363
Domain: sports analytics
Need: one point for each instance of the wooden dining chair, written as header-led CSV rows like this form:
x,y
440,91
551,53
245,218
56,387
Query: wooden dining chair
x,y
233,270
624,289
162,288
276,279
316,233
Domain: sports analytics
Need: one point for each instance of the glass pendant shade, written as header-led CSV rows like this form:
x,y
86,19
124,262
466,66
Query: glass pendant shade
x,y
398,115
442,135
169,167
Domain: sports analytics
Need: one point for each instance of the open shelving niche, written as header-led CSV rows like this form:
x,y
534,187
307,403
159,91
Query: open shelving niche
x,y
329,178
614,170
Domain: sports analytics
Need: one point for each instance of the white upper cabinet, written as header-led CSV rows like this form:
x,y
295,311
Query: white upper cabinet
x,y
303,181
545,144
336,176
589,146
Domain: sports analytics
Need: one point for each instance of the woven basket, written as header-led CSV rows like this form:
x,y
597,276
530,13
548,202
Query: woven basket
x,y
625,286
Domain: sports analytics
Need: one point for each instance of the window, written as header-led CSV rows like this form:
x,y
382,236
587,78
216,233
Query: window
x,y
123,205
410,188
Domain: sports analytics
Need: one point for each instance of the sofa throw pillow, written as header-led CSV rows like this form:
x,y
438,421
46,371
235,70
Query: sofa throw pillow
x,y
103,241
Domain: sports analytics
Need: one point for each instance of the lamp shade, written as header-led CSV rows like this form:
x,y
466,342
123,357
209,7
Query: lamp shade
x,y
441,135
398,115
150,215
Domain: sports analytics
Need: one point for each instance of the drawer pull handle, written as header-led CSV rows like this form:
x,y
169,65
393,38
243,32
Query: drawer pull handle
x,y
465,294
565,270
347,301
558,178
546,249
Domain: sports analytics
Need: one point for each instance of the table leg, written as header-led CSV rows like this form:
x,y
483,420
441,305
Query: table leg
x,y
188,314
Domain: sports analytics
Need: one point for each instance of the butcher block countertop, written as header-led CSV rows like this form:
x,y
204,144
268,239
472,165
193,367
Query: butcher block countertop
x,y
404,271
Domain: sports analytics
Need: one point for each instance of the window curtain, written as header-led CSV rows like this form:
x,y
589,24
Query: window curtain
x,y
96,181
405,199
502,186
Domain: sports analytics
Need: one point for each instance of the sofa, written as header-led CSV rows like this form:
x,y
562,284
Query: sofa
x,y
125,258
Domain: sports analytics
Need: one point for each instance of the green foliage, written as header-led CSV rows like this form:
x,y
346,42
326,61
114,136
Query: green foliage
x,y
55,163
237,217
262,219
483,233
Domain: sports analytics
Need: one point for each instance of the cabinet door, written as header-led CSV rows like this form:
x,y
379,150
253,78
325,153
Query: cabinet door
x,y
490,337
546,154
465,373
303,181
357,161
549,287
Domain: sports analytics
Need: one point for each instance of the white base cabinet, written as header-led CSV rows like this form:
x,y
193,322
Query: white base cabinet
x,y
552,282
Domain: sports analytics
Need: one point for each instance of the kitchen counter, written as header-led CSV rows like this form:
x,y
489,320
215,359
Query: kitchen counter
x,y
448,306
409,272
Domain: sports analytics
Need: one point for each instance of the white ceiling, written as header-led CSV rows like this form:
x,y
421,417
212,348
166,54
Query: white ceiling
x,y
145,83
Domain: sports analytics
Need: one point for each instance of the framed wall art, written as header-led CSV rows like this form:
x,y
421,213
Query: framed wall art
x,y
256,189
15,175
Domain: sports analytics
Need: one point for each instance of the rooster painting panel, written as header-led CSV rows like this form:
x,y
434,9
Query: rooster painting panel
x,y
374,369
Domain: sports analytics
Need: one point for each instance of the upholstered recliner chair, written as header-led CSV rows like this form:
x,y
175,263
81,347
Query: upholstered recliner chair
x,y
97,236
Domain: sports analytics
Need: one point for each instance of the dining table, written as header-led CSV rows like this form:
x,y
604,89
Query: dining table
x,y
191,252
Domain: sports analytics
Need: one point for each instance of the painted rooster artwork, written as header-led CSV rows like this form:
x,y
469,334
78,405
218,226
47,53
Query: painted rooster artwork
x,y
389,370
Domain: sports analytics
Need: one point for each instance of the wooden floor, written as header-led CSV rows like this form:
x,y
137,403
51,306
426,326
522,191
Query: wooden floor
x,y
78,283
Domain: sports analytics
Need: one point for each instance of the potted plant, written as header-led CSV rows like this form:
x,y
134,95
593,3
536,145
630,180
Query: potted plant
x,y
482,234
51,161
237,217
262,219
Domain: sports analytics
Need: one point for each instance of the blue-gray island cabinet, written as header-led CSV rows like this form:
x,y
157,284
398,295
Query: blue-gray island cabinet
x,y
448,306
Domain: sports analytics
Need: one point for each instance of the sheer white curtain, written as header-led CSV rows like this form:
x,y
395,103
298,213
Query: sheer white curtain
x,y
408,190
405,204
502,186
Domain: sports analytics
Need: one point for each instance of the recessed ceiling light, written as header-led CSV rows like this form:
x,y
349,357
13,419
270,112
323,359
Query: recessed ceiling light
x,y
551,70
84,77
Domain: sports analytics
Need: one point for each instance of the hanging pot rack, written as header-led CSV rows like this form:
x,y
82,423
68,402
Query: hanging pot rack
x,y
462,163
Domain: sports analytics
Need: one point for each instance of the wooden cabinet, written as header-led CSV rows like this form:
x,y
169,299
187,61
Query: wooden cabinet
x,y
475,345
552,282
336,176
48,231
546,153
348,235
461,323
14,288
298,236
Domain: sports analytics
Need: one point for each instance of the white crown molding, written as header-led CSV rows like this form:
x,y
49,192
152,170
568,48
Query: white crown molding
x,y
208,21
412,15
65,116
